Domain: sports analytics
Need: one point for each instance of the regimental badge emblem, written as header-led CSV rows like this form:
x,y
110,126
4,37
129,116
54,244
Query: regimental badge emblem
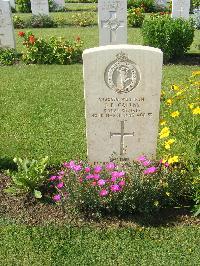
x,y
122,75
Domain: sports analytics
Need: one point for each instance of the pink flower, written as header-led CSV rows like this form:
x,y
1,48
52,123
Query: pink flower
x,y
57,197
141,158
150,170
80,180
59,177
166,164
61,172
110,166
146,163
101,182
121,174
115,188
96,177
66,165
97,169
94,183
71,164
89,176
87,169
103,193
77,168
60,185
115,174
122,183
52,178
113,179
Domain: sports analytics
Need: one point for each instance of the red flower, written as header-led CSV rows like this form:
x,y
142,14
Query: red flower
x,y
21,33
32,39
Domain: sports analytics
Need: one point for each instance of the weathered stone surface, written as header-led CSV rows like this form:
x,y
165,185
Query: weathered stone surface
x,y
112,20
180,8
60,4
7,39
122,95
40,7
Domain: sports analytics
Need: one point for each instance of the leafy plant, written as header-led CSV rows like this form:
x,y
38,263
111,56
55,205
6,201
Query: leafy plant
x,y
41,21
195,3
29,177
18,22
23,6
147,5
53,51
8,57
83,19
172,36
136,17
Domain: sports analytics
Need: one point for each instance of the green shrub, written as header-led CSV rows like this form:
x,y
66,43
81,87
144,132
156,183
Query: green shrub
x,y
23,6
122,188
136,17
54,51
195,3
8,57
29,177
147,5
18,22
172,36
41,21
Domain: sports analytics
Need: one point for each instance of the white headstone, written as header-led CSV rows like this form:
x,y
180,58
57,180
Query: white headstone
x,y
40,7
122,95
60,4
161,3
12,3
7,39
180,8
112,20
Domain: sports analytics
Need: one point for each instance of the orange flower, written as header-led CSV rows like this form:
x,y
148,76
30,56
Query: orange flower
x,y
32,39
21,33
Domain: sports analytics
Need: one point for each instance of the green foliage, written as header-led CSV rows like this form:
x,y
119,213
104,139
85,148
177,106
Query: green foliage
x,y
196,196
83,19
172,36
54,51
147,5
18,22
41,21
136,17
23,6
8,57
29,177
195,3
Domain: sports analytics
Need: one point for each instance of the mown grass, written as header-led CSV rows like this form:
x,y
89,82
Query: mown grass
x,y
22,245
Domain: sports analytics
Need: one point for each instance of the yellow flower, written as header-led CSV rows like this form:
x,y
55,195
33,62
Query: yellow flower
x,y
196,111
168,143
179,92
175,87
191,105
195,73
196,82
168,194
162,122
175,114
169,102
173,159
164,132
156,203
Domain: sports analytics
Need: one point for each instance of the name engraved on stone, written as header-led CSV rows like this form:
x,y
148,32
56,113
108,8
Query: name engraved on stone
x,y
122,134
112,5
122,75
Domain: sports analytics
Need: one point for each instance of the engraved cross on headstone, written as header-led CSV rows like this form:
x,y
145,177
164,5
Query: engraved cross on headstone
x,y
112,24
122,134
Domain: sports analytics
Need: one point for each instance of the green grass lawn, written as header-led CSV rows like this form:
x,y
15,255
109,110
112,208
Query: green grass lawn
x,y
24,246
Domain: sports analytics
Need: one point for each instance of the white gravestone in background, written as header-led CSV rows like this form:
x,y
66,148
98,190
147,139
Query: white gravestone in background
x,y
60,3
7,39
112,20
12,3
122,96
180,8
40,7
161,3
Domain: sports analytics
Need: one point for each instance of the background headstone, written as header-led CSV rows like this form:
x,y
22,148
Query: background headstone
x,y
12,3
60,4
7,39
112,20
40,7
122,95
180,8
161,3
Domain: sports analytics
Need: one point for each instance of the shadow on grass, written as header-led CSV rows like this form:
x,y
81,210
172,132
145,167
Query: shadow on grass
x,y
187,59
7,163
